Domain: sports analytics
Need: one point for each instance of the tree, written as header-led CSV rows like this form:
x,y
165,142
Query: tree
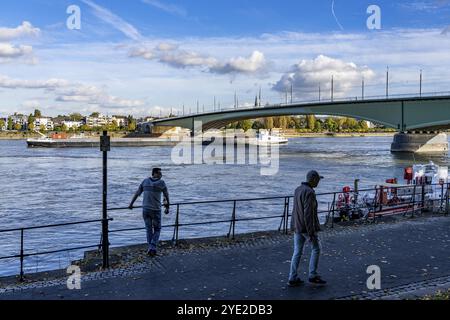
x,y
311,122
17,126
331,125
318,126
31,126
131,123
76,116
340,123
64,128
37,113
10,124
246,125
363,125
2,124
257,125
31,120
95,115
42,129
268,123
351,123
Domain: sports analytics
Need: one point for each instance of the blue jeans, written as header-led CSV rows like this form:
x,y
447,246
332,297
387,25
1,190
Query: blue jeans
x,y
152,219
299,243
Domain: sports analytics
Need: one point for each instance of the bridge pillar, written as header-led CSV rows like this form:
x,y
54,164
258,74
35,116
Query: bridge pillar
x,y
420,143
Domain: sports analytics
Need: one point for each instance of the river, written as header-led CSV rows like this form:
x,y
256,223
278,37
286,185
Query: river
x,y
46,186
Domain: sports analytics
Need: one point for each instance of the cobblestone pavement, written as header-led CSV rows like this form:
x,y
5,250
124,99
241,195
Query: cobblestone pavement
x,y
413,255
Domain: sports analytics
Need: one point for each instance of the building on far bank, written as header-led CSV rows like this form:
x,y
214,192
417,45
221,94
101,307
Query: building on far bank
x,y
45,122
20,119
122,121
71,124
99,121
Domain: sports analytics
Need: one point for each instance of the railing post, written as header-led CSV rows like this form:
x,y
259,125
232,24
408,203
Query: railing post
x,y
105,146
333,205
287,215
233,222
423,199
21,255
177,225
446,201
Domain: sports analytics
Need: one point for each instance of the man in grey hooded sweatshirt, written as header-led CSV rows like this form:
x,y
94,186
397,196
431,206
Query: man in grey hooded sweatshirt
x,y
305,223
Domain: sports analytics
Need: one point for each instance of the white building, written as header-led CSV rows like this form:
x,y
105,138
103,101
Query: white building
x,y
20,119
72,124
99,121
46,122
122,121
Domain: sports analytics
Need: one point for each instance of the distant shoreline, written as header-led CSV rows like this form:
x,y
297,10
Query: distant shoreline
x,y
22,136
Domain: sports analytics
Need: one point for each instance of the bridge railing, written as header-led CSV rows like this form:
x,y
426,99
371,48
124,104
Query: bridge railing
x,y
335,100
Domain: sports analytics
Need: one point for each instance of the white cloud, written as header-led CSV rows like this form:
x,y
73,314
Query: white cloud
x,y
114,20
253,64
25,29
51,84
169,8
307,75
173,56
8,50
67,91
12,52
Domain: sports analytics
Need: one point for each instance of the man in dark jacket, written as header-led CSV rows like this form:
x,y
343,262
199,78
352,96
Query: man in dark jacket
x,y
305,223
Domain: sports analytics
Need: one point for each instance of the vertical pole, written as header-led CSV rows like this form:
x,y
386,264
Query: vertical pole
x,y
177,226
105,231
21,256
320,93
332,88
423,198
362,88
292,93
233,221
403,117
387,83
446,200
420,91
287,216
260,93
183,109
214,103
332,208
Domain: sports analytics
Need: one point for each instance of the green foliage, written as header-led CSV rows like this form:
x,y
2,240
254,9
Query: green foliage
x,y
311,122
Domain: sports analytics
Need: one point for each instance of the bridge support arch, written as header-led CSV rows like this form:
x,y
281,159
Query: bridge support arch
x,y
420,143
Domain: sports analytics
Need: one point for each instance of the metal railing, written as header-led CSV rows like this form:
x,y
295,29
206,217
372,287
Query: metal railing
x,y
376,209
22,255
424,95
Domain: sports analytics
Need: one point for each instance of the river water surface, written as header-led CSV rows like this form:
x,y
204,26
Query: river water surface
x,y
46,186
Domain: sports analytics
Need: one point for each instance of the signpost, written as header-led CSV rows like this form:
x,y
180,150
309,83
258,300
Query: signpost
x,y
105,147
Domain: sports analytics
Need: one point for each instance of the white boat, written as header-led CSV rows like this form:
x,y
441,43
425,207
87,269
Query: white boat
x,y
269,137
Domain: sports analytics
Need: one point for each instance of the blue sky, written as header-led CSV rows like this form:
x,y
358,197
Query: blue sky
x,y
144,56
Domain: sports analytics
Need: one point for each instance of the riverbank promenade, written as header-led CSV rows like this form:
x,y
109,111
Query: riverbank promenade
x,y
412,253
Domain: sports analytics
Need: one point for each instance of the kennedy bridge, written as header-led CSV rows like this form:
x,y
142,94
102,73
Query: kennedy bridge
x,y
418,119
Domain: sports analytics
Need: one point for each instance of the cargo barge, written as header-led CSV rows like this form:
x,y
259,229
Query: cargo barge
x,y
62,141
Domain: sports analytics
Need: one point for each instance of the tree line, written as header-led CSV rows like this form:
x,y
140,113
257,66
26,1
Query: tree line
x,y
309,123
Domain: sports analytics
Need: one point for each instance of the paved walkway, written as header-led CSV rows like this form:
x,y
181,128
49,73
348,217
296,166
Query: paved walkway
x,y
412,254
